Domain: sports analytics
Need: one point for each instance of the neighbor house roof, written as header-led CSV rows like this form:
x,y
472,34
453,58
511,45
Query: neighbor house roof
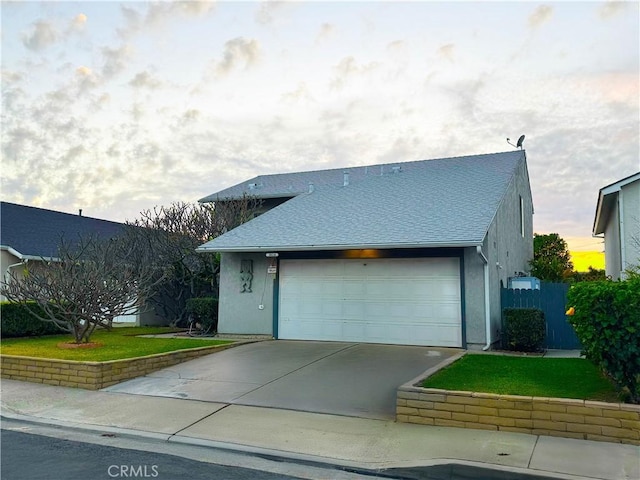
x,y
429,203
606,200
35,233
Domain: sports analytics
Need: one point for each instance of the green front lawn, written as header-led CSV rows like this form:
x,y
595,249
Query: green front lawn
x,y
117,344
528,376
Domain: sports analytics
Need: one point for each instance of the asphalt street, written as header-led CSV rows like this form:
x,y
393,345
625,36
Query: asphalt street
x,y
35,457
57,454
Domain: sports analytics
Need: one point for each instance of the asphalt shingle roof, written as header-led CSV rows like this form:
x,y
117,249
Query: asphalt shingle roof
x,y
36,232
444,202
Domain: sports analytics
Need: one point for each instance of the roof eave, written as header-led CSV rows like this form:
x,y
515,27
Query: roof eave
x,y
307,248
22,256
598,227
213,199
599,222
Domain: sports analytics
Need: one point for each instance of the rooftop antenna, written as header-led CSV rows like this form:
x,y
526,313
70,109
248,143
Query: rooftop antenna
x,y
518,144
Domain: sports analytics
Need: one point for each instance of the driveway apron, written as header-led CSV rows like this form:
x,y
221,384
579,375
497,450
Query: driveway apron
x,y
324,377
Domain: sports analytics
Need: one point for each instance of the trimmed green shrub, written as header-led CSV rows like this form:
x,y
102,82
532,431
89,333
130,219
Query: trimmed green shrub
x,y
524,329
205,311
17,321
606,318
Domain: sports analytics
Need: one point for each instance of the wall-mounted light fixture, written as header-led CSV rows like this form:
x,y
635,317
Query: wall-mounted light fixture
x,y
363,253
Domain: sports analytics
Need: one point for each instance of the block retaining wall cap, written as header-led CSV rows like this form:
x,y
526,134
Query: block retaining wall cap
x,y
561,417
95,375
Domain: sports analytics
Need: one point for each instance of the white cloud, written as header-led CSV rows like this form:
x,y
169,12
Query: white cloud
x,y
115,60
397,46
326,32
447,52
347,69
238,53
541,15
158,14
145,80
78,23
300,95
10,77
269,10
611,9
42,35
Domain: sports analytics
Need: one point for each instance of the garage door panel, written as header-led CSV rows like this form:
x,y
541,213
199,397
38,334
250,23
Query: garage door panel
x,y
402,301
353,330
379,288
449,314
353,288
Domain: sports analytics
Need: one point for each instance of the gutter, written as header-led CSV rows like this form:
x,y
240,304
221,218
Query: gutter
x,y
487,306
304,248
7,273
19,255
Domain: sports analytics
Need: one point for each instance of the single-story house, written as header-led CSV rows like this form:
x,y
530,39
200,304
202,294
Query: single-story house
x,y
617,219
407,253
30,234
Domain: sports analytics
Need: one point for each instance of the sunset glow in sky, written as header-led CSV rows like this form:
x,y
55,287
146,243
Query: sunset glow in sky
x,y
117,107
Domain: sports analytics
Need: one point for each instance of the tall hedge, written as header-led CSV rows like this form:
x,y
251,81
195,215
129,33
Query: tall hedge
x,y
606,318
524,329
17,321
205,312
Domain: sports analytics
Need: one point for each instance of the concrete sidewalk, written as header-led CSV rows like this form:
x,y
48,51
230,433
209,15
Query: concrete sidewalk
x,y
346,441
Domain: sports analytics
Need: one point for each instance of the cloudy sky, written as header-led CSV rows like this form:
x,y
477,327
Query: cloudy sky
x,y
117,107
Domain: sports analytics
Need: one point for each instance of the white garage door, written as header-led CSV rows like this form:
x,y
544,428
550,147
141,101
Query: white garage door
x,y
412,301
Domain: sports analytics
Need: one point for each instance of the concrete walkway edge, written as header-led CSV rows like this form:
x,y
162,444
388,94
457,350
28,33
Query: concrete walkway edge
x,y
321,462
360,443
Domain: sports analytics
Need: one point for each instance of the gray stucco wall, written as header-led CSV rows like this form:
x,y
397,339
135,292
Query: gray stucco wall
x,y
507,250
474,299
613,261
631,224
239,312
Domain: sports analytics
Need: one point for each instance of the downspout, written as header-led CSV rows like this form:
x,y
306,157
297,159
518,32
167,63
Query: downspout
x,y
623,247
7,273
487,306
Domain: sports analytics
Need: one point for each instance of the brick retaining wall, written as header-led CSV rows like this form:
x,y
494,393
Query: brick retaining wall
x,y
558,417
94,375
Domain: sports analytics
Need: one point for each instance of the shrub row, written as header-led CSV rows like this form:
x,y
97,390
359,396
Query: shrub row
x,y
606,318
17,321
205,311
524,329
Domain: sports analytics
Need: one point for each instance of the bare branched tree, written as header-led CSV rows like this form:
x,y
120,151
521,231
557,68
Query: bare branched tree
x,y
89,283
178,229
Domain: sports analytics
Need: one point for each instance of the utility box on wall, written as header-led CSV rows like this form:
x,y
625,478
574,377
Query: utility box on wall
x,y
524,283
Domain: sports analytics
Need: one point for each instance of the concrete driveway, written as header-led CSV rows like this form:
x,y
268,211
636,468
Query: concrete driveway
x,y
351,379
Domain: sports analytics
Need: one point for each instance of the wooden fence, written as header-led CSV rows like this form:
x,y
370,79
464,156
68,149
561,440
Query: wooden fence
x,y
552,300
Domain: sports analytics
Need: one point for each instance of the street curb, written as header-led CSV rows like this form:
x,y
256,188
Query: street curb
x,y
381,470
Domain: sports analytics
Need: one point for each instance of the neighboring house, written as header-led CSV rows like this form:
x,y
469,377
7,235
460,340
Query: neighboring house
x,y
618,220
407,253
30,234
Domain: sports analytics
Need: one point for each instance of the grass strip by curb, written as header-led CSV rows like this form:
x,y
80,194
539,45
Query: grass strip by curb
x,y
528,376
117,344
